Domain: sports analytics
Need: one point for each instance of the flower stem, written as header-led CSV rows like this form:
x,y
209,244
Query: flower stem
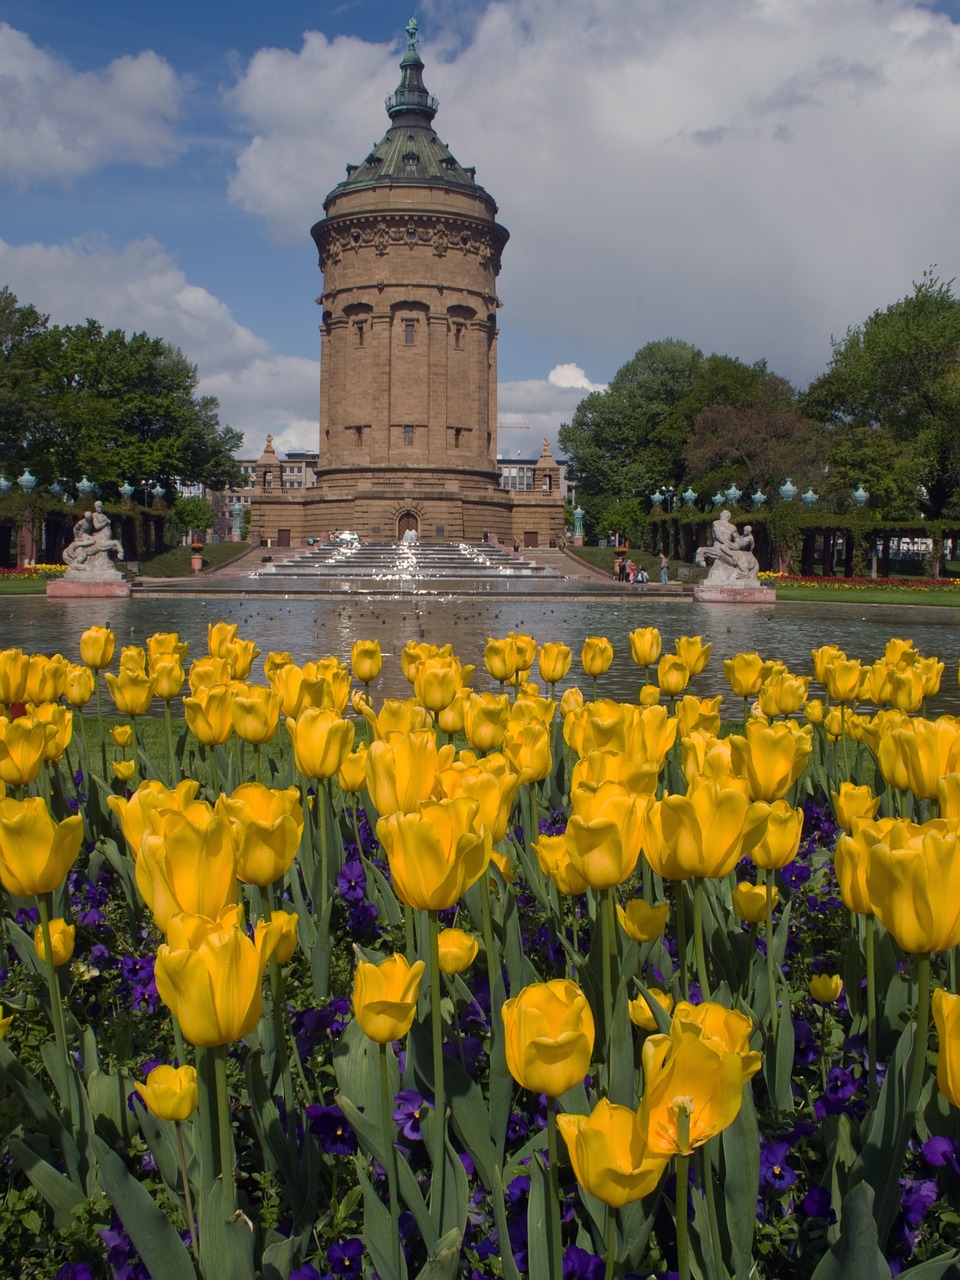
x,y
53,987
171,754
225,1136
393,1178
439,1100
683,1243
682,942
556,1242
606,945
103,741
611,1243
698,937
768,938
187,1197
870,942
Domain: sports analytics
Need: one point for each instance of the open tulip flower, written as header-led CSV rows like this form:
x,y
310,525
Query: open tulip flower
x,y
549,1036
62,936
852,803
704,753
267,827
744,673
527,747
45,678
918,754
596,656
693,1085
35,851
698,714
402,772
491,782
208,714
240,655
501,658
256,713
750,901
554,661
673,675
325,683
96,647
771,756
220,635
165,644
553,855
187,866
693,652
385,997
913,884
23,746
704,833
436,854
414,652
615,766
457,949
609,1154
170,1093
207,671
13,676
133,813
645,646
605,833
215,988
78,684
322,739
132,691
780,842
946,1015
396,718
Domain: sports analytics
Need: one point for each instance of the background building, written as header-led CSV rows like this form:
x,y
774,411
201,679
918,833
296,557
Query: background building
x,y
410,252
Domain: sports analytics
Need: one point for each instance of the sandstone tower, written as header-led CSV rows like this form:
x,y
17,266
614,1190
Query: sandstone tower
x,y
410,251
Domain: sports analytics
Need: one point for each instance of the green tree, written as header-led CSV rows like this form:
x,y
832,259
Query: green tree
x,y
20,386
190,515
628,439
894,383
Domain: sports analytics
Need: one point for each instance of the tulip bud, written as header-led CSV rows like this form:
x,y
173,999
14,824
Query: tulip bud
x,y
170,1093
825,988
458,950
61,941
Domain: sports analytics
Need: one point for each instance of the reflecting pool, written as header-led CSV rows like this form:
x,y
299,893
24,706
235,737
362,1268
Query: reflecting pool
x,y
313,626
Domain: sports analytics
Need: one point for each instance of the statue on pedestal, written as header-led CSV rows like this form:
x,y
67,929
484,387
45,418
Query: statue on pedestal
x,y
730,558
94,551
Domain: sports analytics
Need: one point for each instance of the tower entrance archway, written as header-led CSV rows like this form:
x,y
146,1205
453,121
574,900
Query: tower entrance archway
x,y
407,522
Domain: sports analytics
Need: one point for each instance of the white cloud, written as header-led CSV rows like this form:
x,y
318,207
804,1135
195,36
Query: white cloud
x,y
58,123
571,375
534,409
748,175
140,287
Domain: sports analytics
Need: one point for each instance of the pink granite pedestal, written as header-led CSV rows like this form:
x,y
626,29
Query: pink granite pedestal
x,y
703,594
67,589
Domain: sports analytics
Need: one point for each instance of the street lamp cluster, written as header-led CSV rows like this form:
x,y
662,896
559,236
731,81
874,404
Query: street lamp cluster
x,y
85,487
663,496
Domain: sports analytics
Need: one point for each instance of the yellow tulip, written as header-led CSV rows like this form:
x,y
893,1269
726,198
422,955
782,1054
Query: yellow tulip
x,y
673,675
822,657
255,712
609,1154
208,671
402,773
946,1015
645,645
450,718
554,661
96,647
458,950
900,653
771,756
13,676
436,682
168,672
352,774
948,796
724,1028
133,814
813,711
240,656
215,989
60,720
122,735
133,659
913,883
526,650
124,770
35,852
783,694
851,802
931,673
414,652
396,718
615,766
698,713
501,658
527,747
45,678
549,1035
906,690
132,691
23,743
165,644
704,833
693,653
326,683
273,663
704,753
553,855
596,655
750,901
693,1086
491,782
640,1012
287,937
571,702
745,674
842,678
267,827
605,832
650,695
825,988
436,854
385,997
875,682
170,1093
5,1025
220,635
78,684
187,863
366,660
852,854
62,937
208,714
530,707
322,740
919,754
641,921
780,841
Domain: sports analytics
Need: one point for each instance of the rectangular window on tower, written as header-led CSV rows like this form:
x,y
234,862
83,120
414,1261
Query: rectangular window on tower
x,y
409,329
408,435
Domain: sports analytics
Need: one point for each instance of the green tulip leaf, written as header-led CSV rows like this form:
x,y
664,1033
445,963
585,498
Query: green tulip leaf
x,y
378,1233
444,1261
154,1235
226,1240
60,1193
856,1255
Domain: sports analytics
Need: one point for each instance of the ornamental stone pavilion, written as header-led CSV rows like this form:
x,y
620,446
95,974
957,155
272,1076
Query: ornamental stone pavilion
x,y
410,252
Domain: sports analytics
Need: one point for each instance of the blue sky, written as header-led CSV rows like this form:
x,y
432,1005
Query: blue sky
x,y
748,175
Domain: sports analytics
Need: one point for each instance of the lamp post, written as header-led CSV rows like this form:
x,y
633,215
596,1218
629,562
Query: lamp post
x,y
28,482
788,490
733,495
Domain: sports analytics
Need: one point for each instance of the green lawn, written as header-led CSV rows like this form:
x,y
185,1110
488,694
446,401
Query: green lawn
x,y
948,596
175,563
22,586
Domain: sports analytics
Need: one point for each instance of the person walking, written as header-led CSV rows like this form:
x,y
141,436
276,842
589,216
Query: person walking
x,y
664,568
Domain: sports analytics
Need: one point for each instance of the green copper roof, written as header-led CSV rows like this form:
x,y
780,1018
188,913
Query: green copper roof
x,y
410,153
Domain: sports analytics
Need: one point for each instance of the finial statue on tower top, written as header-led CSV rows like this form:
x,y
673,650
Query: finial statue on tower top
x,y
411,30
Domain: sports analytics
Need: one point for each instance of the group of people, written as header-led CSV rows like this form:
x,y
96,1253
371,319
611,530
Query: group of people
x,y
627,571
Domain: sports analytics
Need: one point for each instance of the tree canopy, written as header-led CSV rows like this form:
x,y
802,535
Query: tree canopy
x,y
79,400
